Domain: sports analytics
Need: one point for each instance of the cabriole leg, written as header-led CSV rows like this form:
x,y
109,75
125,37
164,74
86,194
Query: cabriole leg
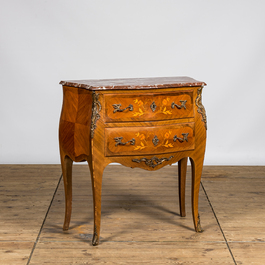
x,y
182,169
196,166
96,170
67,163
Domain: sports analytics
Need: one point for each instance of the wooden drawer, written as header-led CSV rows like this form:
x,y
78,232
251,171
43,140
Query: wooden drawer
x,y
149,140
149,107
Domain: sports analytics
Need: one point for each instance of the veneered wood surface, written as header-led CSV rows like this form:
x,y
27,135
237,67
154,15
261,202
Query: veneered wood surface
x,y
134,83
75,123
94,152
141,106
144,137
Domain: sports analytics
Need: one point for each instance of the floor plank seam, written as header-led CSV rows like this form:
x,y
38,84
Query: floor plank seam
x,y
219,224
44,220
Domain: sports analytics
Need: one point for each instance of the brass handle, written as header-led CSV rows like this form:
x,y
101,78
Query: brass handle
x,y
117,108
118,141
153,106
185,138
153,162
183,104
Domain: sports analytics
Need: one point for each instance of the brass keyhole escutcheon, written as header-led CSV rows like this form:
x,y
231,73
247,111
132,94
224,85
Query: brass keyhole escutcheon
x,y
153,106
155,141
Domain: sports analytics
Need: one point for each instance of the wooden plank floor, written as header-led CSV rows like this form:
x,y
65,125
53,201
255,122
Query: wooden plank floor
x,y
140,217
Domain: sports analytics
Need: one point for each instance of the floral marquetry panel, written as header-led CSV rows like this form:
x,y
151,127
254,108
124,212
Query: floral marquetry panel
x,y
156,106
149,140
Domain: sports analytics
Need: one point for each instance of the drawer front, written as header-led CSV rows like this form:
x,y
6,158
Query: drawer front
x,y
149,140
149,107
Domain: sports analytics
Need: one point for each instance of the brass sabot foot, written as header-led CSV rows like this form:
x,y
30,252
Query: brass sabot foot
x,y
198,227
95,240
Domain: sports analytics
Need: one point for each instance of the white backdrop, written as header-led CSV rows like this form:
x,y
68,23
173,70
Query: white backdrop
x,y
219,42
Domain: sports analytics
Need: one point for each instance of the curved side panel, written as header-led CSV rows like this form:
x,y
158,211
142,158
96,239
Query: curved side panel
x,y
74,128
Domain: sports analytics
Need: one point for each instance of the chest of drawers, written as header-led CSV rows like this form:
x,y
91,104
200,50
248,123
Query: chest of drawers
x,y
147,123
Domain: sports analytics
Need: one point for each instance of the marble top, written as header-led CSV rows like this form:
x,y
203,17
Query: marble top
x,y
134,83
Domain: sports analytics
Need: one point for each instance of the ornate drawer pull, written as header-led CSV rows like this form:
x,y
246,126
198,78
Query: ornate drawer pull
x,y
119,139
155,141
185,138
153,162
117,108
153,106
183,104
